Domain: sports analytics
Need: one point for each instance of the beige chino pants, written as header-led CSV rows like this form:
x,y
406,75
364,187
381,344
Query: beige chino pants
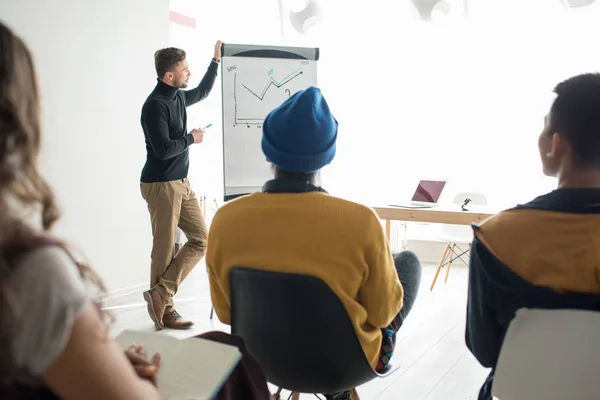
x,y
173,204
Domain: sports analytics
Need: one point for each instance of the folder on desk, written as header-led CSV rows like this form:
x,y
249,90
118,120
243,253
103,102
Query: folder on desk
x,y
190,369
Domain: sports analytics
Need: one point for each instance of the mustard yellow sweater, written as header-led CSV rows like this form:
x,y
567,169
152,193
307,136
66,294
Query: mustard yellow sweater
x,y
316,234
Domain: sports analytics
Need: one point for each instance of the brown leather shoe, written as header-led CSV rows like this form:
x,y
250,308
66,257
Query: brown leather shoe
x,y
173,320
156,307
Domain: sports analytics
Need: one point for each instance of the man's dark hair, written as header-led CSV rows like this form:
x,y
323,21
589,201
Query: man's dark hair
x,y
575,113
166,59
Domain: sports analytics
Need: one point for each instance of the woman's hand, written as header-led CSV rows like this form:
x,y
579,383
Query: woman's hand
x,y
146,369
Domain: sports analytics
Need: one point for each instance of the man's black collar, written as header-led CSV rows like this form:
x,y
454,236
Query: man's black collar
x,y
291,185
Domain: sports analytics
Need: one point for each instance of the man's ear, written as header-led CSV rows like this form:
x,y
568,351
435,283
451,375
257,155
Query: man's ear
x,y
559,145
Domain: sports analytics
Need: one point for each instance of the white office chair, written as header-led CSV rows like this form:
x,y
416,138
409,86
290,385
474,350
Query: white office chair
x,y
549,355
455,235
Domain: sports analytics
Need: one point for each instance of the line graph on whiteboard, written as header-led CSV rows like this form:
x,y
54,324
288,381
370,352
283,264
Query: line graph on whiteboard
x,y
256,92
272,81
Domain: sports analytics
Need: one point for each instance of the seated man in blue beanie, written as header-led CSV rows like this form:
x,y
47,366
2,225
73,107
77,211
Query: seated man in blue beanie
x,y
377,289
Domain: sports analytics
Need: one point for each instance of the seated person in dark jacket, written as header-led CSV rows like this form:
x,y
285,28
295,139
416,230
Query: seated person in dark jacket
x,y
543,254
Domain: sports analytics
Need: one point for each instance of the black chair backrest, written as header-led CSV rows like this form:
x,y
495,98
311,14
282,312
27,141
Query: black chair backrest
x,y
298,330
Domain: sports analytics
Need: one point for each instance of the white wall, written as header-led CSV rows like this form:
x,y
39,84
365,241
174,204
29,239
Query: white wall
x,y
461,100
95,63
233,21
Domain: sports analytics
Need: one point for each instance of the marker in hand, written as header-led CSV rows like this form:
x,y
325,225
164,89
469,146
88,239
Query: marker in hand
x,y
198,134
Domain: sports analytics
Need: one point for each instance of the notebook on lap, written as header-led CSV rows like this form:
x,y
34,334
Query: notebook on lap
x,y
191,368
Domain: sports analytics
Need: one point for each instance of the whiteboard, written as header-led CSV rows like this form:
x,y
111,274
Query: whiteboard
x,y
256,80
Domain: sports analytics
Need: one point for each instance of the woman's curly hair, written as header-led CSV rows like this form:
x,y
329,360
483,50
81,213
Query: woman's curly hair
x,y
21,185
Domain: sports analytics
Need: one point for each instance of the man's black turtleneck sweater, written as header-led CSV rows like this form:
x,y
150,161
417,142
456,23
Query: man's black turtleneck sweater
x,y
164,121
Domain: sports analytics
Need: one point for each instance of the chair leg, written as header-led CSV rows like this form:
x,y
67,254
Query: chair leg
x,y
439,268
452,253
277,395
176,249
212,309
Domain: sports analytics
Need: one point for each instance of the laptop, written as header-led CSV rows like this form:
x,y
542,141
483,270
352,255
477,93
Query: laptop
x,y
427,194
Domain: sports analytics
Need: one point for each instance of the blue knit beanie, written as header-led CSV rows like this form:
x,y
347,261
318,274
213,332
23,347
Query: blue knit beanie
x,y
300,135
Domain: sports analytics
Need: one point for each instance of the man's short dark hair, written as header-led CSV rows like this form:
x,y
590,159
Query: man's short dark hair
x,y
575,113
166,59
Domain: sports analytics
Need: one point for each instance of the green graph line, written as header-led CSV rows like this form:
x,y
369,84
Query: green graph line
x,y
272,81
278,83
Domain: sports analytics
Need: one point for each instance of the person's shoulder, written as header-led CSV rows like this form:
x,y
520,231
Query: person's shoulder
x,y
328,204
511,229
361,210
505,220
49,264
154,103
48,287
233,207
48,256
516,233
238,202
354,213
525,216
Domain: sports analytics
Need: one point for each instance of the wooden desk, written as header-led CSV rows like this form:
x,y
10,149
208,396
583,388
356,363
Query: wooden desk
x,y
431,215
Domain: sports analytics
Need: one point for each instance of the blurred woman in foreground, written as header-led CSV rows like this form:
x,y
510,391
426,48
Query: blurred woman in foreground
x,y
54,339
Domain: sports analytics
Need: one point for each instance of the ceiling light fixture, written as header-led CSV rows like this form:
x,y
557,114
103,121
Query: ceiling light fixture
x,y
426,8
576,3
304,20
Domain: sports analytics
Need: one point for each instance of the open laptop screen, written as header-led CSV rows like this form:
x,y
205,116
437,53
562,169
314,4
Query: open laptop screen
x,y
428,191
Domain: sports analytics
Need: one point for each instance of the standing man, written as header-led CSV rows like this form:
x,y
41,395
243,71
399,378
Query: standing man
x,y
164,183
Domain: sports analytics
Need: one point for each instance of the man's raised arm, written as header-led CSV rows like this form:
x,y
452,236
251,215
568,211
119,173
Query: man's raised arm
x,y
208,81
